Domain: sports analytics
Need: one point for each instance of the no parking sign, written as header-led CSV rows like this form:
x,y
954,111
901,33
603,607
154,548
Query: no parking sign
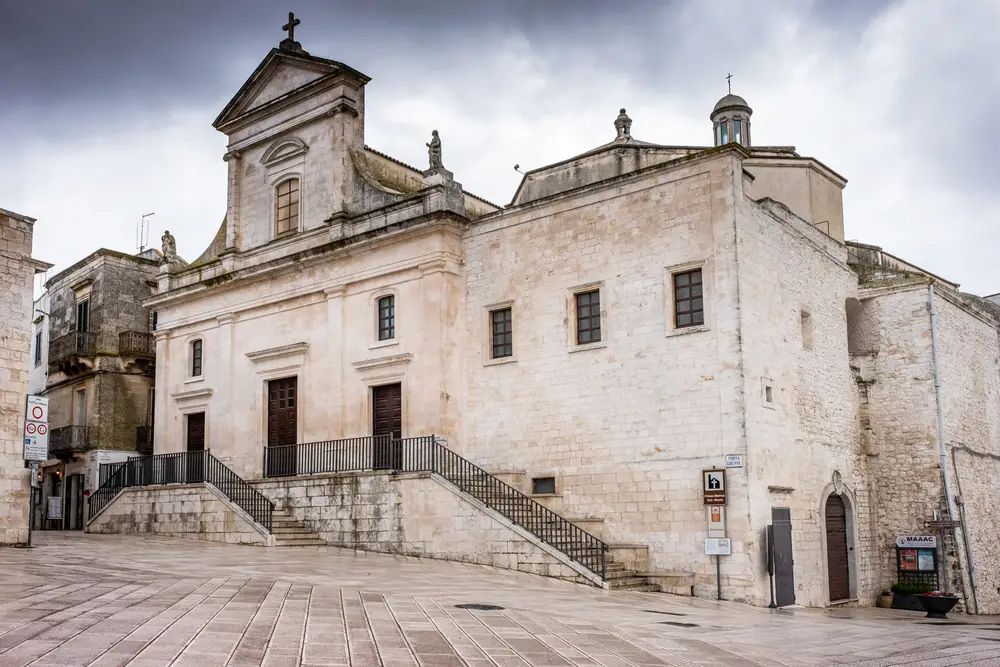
x,y
36,429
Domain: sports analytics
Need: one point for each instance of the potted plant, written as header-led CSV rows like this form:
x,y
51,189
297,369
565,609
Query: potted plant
x,y
905,595
885,599
937,604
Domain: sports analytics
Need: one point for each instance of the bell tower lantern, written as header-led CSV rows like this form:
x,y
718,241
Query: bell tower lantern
x,y
731,121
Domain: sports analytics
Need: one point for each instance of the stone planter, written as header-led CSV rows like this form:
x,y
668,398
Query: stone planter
x,y
908,602
884,601
937,606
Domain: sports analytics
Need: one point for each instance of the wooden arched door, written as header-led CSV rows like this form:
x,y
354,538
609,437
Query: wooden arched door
x,y
836,549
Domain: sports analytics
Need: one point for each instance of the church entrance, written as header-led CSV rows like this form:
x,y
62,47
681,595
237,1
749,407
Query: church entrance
x,y
387,426
282,426
836,549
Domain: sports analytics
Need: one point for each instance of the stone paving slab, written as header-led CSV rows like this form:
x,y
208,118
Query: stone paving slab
x,y
116,600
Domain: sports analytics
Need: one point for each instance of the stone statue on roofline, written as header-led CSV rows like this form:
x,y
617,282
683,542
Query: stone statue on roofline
x,y
169,247
434,151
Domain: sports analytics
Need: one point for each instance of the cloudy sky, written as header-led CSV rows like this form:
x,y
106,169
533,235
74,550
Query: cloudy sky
x,y
106,106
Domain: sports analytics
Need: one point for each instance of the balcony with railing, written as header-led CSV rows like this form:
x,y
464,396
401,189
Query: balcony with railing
x,y
136,344
144,439
68,439
70,352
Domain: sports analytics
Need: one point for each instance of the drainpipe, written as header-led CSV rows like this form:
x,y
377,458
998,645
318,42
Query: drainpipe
x,y
968,552
942,450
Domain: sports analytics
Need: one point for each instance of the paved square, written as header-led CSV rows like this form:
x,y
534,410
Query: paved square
x,y
108,601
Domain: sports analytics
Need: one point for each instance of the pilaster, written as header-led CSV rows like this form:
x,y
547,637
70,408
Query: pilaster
x,y
334,371
234,181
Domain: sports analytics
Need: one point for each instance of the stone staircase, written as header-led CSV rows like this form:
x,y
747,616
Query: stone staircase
x,y
556,531
291,533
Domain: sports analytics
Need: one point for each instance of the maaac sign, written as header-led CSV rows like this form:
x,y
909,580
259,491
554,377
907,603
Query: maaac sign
x,y
916,542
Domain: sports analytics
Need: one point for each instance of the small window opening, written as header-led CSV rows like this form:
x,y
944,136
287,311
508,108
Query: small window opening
x,y
543,485
807,330
387,318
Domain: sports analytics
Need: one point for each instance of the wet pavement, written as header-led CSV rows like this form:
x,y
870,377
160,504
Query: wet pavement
x,y
111,600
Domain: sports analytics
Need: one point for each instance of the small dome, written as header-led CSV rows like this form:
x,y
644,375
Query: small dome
x,y
730,101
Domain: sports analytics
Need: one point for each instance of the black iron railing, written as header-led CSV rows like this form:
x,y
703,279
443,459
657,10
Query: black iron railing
x,y
181,468
137,344
426,454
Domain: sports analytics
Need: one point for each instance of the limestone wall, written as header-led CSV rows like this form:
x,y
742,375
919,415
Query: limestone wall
x,y
794,282
414,515
193,511
16,273
626,425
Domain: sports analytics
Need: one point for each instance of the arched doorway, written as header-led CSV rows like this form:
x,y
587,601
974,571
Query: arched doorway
x,y
837,560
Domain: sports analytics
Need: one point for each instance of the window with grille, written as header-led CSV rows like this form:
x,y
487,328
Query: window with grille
x,y
196,358
502,329
387,318
588,317
287,215
38,347
689,303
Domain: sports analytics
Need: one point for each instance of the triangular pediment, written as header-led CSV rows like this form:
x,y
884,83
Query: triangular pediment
x,y
279,77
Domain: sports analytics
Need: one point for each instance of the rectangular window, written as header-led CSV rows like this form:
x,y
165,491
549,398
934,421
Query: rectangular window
x,y
724,132
196,359
501,326
689,308
83,315
588,317
38,347
737,131
81,407
387,318
541,485
287,212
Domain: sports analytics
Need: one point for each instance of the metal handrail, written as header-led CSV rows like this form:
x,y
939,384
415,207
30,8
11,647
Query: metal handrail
x,y
181,468
426,454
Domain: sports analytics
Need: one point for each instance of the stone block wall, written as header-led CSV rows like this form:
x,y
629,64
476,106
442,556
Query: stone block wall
x,y
411,514
626,425
794,283
193,511
16,273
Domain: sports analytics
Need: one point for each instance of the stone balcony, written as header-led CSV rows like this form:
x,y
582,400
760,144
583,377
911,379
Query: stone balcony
x,y
73,352
68,439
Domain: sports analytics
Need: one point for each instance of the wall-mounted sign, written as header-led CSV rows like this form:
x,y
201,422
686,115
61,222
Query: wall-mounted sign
x,y
54,508
718,546
734,460
916,541
714,486
716,520
36,429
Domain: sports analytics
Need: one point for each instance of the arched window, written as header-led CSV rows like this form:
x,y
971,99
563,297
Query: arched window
x,y
287,206
196,363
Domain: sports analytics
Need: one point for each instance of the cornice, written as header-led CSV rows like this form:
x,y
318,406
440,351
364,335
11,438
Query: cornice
x,y
391,360
278,352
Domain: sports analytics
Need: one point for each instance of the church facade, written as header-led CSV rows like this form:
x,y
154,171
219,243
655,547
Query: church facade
x,y
637,314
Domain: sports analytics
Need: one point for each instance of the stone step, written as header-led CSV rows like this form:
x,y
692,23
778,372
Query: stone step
x,y
628,581
291,530
303,541
638,588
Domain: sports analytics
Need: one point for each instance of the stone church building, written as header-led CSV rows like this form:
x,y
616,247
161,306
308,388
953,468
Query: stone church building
x,y
637,314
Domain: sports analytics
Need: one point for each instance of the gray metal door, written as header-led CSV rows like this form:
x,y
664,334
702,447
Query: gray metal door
x,y
781,553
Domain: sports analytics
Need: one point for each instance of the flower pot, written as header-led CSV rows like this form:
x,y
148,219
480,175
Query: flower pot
x,y
884,601
937,606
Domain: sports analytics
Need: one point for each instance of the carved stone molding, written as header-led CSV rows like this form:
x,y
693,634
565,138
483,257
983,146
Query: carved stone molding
x,y
391,360
278,352
285,148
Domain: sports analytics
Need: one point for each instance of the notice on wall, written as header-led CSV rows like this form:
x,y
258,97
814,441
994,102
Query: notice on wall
x,y
908,560
54,508
925,560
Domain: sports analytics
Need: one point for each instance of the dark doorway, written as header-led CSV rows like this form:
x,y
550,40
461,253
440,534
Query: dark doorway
x,y
781,553
73,509
839,572
194,465
282,426
387,426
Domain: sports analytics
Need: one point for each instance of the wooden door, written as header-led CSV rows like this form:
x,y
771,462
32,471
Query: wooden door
x,y
836,549
387,426
282,427
194,462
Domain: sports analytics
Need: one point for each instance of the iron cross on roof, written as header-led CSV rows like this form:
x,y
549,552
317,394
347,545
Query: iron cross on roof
x,y
729,80
290,26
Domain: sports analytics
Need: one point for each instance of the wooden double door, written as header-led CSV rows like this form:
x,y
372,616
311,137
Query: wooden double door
x,y
837,558
282,426
387,427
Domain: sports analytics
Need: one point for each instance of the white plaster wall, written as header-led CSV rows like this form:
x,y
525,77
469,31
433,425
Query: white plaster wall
x,y
38,373
330,306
